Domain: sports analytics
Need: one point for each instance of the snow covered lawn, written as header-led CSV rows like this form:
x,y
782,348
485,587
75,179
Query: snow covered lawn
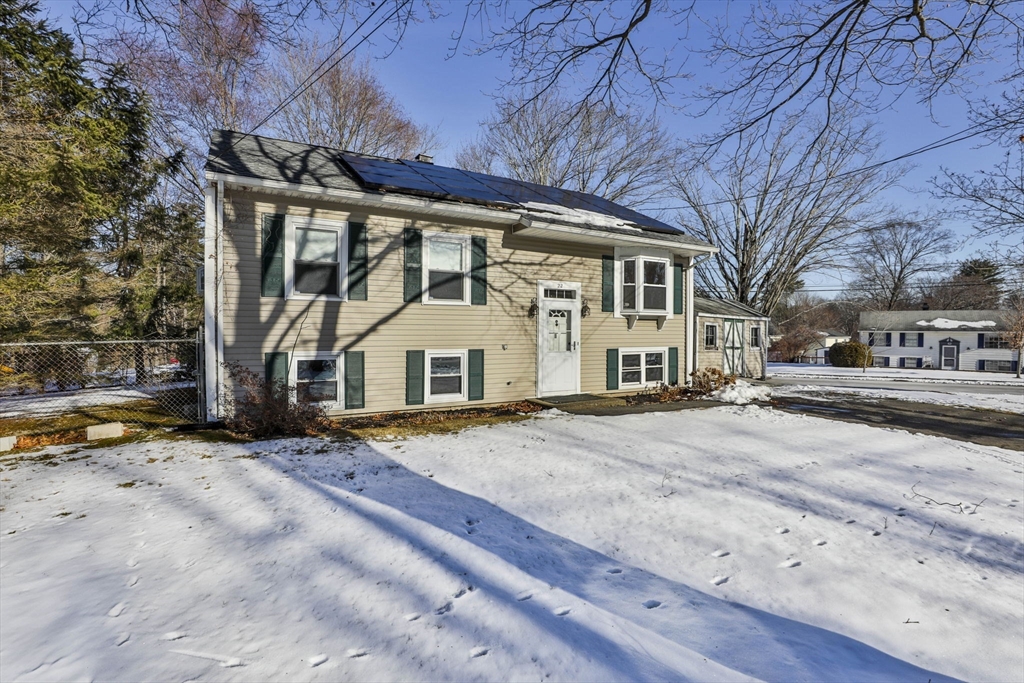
x,y
702,545
799,370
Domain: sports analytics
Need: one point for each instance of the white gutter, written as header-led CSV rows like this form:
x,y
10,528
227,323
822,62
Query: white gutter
x,y
387,201
691,317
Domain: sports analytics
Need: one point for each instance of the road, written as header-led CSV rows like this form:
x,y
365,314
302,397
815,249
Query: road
x,y
897,385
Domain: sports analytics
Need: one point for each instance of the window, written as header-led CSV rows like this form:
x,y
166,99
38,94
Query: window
x,y
446,375
880,362
641,367
710,336
446,267
755,339
559,293
644,285
911,339
317,378
315,255
997,365
996,341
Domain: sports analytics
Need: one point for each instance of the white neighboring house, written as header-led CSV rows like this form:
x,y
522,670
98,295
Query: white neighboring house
x,y
948,340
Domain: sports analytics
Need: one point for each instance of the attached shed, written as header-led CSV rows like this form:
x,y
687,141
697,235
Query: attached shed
x,y
731,337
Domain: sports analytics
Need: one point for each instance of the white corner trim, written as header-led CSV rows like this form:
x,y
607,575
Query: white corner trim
x,y
210,302
220,298
689,358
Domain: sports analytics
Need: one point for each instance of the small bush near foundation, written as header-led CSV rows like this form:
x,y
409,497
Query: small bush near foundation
x,y
709,380
850,354
269,409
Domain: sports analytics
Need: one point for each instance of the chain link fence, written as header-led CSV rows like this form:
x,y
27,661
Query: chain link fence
x,y
59,386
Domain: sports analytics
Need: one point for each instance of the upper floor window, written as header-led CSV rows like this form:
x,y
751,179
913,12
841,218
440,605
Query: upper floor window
x,y
645,285
446,267
996,341
315,258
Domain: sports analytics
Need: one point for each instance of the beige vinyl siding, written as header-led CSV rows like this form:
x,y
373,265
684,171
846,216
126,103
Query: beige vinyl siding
x,y
384,327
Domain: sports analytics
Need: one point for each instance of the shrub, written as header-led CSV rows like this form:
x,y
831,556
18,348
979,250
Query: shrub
x,y
850,354
269,409
709,380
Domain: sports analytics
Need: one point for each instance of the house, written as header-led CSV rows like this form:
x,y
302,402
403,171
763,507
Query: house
x,y
731,337
817,352
949,340
372,284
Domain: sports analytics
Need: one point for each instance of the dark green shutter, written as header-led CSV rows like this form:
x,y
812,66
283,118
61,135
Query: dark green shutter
x,y
272,255
413,239
673,365
476,374
677,288
608,284
276,370
357,262
478,272
354,383
613,369
414,377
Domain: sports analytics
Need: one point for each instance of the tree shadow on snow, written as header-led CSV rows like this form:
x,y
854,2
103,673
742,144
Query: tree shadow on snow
x,y
744,639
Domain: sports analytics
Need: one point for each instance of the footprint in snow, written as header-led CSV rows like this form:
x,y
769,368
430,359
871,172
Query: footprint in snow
x,y
876,533
719,580
720,553
413,616
116,610
523,597
651,604
819,541
122,638
132,581
443,609
781,530
615,570
357,652
478,652
789,564
132,562
317,660
173,635
562,611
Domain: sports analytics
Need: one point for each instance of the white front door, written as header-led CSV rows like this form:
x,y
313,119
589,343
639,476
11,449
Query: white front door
x,y
949,357
558,338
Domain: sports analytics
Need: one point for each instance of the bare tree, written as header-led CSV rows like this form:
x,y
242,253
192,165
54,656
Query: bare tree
x,y
977,284
202,72
622,156
888,258
348,107
776,208
1014,318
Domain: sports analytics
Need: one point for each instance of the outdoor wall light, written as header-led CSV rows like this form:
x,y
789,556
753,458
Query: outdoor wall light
x,y
534,309
585,308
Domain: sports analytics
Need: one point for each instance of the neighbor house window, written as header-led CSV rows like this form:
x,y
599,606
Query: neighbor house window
x,y
910,339
997,365
315,258
317,378
644,285
710,336
446,375
996,341
446,267
640,367
755,338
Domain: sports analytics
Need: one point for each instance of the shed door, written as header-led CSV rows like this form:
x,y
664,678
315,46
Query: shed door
x,y
732,345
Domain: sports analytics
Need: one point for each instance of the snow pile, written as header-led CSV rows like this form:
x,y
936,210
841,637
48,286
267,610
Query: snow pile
x,y
741,393
582,217
947,324
705,545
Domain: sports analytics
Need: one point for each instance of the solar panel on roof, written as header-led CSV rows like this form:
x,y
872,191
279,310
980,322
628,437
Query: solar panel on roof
x,y
458,184
391,175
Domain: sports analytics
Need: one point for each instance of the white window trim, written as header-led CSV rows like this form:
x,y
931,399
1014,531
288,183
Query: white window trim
x,y
341,227
293,377
625,253
760,337
704,343
467,255
643,367
445,398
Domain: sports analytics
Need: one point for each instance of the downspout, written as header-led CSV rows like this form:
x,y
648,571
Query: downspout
x,y
691,317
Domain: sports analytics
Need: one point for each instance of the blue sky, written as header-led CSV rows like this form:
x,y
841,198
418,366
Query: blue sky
x,y
450,92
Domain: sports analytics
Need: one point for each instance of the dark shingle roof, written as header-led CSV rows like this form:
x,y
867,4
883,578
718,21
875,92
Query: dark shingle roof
x,y
258,157
925,321
724,309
